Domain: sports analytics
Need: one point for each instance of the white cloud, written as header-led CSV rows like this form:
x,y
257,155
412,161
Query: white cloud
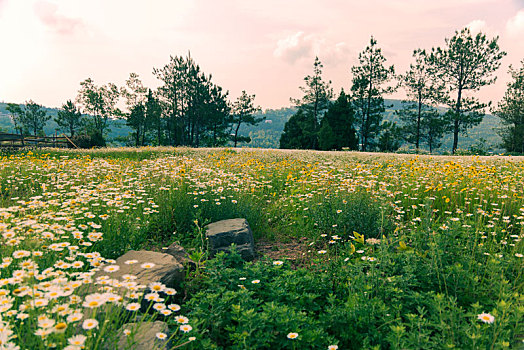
x,y
300,46
336,54
477,26
515,25
481,26
295,47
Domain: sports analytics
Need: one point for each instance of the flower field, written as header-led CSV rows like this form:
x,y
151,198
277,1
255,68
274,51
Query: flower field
x,y
395,252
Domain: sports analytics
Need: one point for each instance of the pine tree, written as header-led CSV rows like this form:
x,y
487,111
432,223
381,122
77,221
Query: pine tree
x,y
467,63
511,111
16,114
153,115
34,117
69,118
304,127
368,89
136,120
195,109
422,93
243,113
389,139
337,129
134,93
300,132
100,102
327,140
317,93
433,128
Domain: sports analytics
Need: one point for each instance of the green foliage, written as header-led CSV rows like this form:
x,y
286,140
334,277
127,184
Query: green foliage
x,y
337,129
300,132
92,139
254,306
136,120
243,112
100,103
317,93
135,94
511,111
390,137
368,90
326,137
347,213
418,116
69,118
433,127
466,63
153,116
389,252
34,117
196,110
16,114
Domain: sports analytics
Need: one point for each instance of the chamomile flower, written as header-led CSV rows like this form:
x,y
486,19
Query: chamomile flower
x,y
90,323
486,317
186,328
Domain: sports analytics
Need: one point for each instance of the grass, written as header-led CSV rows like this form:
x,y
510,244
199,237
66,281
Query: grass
x,y
399,252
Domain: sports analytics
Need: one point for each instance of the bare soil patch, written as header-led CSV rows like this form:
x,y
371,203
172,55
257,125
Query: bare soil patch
x,y
297,252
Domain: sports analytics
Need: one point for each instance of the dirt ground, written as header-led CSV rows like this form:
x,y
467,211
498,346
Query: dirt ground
x,y
297,252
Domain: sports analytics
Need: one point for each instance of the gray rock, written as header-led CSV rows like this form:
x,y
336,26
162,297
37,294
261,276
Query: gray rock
x,y
180,254
166,270
222,234
144,337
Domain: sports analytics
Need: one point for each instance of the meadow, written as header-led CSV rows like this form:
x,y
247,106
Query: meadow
x,y
385,251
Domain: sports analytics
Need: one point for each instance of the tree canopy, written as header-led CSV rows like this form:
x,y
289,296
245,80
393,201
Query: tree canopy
x,y
368,88
466,63
511,111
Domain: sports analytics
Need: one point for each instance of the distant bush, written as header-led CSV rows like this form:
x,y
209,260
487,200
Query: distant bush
x,y
89,140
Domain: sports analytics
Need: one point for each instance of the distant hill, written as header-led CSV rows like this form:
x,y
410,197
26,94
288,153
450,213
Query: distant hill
x,y
267,133
117,127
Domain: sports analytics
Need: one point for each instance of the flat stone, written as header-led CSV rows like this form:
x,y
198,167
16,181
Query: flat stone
x,y
222,234
143,337
166,269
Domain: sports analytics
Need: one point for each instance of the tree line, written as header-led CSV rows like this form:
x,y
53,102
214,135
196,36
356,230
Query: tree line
x,y
187,109
439,85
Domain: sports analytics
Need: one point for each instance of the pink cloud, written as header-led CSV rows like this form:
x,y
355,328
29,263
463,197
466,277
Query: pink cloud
x,y
49,15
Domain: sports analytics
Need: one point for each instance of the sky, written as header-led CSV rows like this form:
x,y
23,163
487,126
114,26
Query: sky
x,y
263,47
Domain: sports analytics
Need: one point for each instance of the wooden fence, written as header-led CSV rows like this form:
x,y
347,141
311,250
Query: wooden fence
x,y
18,141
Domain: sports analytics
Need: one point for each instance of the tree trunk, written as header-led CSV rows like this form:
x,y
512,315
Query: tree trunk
x,y
457,119
215,134
455,136
236,133
197,134
419,116
458,112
